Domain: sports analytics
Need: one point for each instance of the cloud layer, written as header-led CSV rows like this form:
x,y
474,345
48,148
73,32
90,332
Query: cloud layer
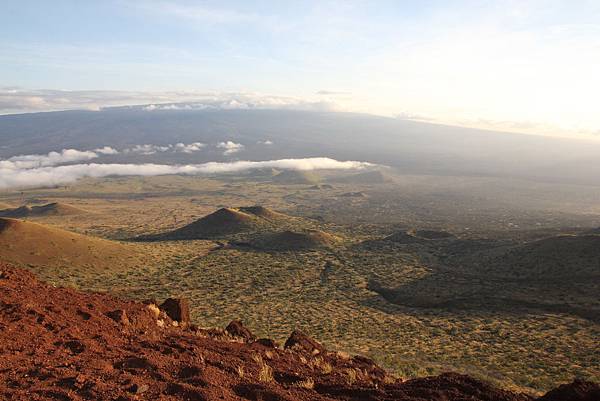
x,y
51,159
18,100
11,177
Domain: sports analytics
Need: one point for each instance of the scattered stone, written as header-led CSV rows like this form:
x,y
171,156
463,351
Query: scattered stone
x,y
578,390
138,388
301,341
237,329
267,342
154,309
177,309
119,316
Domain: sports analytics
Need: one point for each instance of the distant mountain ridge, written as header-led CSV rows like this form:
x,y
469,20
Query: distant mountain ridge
x,y
413,147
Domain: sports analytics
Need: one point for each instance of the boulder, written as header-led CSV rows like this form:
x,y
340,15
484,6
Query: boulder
x,y
119,316
237,329
301,341
177,309
267,342
578,390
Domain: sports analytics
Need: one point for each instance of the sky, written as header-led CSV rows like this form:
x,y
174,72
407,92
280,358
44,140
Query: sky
x,y
521,66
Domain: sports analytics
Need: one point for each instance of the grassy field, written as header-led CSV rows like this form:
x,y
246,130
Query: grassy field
x,y
444,312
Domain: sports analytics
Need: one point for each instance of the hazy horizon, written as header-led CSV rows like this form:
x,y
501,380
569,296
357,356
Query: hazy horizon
x,y
505,66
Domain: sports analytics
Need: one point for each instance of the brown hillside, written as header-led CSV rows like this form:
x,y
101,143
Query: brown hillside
x,y
61,344
564,256
366,177
224,221
403,237
290,240
297,177
50,209
432,234
27,243
227,221
263,212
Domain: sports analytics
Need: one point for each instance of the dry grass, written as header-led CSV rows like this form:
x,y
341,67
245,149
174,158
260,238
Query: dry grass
x,y
308,383
326,292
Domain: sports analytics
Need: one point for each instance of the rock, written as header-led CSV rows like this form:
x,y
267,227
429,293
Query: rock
x,y
154,310
138,388
578,390
119,316
267,342
177,309
368,365
301,341
237,329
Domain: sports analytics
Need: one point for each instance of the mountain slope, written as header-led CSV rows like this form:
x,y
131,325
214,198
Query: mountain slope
x,y
27,243
413,147
77,346
50,209
228,221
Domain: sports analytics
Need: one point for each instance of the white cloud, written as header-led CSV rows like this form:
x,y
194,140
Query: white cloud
x,y
230,147
106,150
147,149
17,100
58,175
266,142
51,159
189,148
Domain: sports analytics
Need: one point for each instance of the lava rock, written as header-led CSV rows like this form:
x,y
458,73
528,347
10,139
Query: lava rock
x,y
267,342
119,316
578,390
177,309
237,329
301,341
138,388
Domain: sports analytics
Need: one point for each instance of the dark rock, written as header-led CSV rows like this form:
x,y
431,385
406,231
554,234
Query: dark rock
x,y
368,365
301,341
138,388
177,309
237,329
119,316
579,390
267,342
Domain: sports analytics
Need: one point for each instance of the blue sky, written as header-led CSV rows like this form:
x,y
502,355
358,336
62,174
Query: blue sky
x,y
525,66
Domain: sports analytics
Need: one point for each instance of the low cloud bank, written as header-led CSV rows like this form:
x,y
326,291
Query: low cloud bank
x,y
59,175
51,159
20,100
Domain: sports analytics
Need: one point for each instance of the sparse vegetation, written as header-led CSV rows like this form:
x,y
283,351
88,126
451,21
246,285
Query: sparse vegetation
x,y
504,329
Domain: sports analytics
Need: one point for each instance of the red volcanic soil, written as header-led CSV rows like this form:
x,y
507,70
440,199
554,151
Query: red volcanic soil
x,y
60,344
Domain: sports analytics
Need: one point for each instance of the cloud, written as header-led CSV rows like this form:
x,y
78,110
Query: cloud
x,y
332,93
60,175
267,142
147,149
230,147
16,100
190,148
51,159
106,150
